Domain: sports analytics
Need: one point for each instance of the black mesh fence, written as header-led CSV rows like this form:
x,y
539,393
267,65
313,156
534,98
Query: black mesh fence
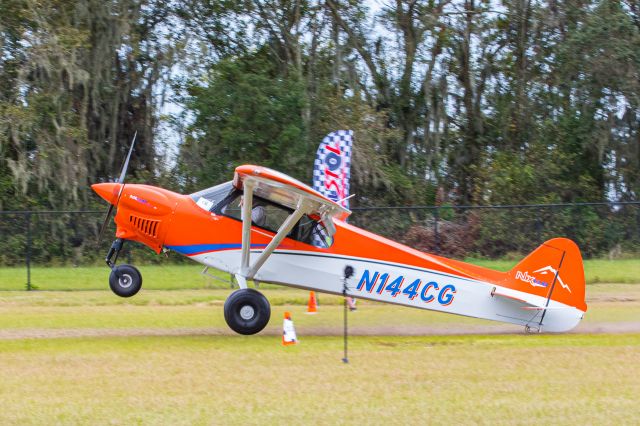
x,y
70,238
599,229
62,238
49,238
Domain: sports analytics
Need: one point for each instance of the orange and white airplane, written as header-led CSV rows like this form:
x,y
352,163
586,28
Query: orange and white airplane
x,y
268,227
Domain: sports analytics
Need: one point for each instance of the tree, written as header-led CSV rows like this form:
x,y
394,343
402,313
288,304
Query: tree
x,y
78,80
244,113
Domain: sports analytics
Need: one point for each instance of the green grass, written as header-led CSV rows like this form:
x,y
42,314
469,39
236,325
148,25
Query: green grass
x,y
612,271
202,310
565,379
118,377
158,277
169,277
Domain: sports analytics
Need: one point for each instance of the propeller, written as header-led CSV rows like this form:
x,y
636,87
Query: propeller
x,y
121,181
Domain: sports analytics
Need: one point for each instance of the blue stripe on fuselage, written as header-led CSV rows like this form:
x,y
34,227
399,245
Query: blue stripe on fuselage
x,y
204,248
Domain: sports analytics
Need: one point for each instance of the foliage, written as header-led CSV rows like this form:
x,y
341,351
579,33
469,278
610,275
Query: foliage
x,y
244,113
78,78
452,102
491,107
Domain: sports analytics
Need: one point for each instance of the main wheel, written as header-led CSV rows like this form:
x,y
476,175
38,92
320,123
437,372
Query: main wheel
x,y
125,280
247,311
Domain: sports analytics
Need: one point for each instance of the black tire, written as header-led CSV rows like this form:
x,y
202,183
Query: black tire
x,y
247,311
125,280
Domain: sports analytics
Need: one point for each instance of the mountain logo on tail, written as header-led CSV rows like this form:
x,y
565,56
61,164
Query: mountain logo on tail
x,y
551,270
524,276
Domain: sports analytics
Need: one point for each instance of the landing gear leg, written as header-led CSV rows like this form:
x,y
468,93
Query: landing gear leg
x,y
124,280
114,251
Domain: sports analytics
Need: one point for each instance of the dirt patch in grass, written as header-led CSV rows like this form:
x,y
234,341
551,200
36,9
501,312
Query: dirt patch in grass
x,y
412,330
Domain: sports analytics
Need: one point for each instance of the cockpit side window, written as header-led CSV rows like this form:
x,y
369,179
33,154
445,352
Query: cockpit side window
x,y
264,214
271,216
208,199
312,232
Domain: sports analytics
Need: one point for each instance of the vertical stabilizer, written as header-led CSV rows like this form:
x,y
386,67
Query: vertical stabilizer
x,y
554,271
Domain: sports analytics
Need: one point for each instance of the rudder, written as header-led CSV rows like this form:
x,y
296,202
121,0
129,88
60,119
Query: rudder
x,y
552,270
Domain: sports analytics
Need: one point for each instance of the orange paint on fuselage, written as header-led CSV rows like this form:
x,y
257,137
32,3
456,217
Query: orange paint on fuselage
x,y
183,223
144,212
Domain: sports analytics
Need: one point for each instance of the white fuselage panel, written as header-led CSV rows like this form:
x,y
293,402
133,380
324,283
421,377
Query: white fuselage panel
x,y
399,284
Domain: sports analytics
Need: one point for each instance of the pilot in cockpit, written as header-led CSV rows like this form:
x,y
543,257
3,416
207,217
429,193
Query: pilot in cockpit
x,y
259,215
258,212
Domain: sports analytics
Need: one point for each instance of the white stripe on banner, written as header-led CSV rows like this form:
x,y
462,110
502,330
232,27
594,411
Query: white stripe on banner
x,y
332,167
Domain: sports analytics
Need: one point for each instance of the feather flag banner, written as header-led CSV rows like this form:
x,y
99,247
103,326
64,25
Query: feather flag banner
x,y
332,167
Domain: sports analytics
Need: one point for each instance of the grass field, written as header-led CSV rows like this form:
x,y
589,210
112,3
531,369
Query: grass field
x,y
158,277
567,379
169,277
202,310
167,357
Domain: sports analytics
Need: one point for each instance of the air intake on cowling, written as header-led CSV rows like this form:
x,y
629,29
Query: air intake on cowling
x,y
146,226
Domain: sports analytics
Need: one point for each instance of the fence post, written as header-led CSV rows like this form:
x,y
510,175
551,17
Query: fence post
x,y
638,222
539,227
28,219
435,229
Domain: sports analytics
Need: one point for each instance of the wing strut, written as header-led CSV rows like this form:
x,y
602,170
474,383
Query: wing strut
x,y
248,271
247,205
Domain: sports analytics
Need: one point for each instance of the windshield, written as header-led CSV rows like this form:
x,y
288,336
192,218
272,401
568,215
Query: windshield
x,y
209,198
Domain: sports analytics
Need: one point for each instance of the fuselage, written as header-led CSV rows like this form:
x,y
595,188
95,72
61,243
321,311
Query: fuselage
x,y
385,270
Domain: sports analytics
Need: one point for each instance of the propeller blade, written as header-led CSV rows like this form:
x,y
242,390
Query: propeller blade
x,y
120,180
104,224
126,163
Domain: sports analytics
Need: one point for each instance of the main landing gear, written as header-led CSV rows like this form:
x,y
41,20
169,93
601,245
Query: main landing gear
x,y
247,311
124,280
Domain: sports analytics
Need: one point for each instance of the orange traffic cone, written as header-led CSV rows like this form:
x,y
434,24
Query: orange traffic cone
x,y
288,331
312,306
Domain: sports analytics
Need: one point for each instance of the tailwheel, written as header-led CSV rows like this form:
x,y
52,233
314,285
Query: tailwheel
x,y
247,311
125,280
531,330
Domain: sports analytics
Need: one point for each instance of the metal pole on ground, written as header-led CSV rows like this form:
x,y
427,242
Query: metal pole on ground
x,y
348,273
435,229
345,358
28,219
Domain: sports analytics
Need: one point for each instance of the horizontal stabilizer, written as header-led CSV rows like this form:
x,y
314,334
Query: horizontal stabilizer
x,y
525,304
542,308
496,293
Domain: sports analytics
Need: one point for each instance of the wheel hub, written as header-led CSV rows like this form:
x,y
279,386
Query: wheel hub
x,y
247,312
125,281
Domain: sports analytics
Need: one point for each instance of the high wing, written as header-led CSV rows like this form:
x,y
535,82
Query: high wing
x,y
284,190
287,191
